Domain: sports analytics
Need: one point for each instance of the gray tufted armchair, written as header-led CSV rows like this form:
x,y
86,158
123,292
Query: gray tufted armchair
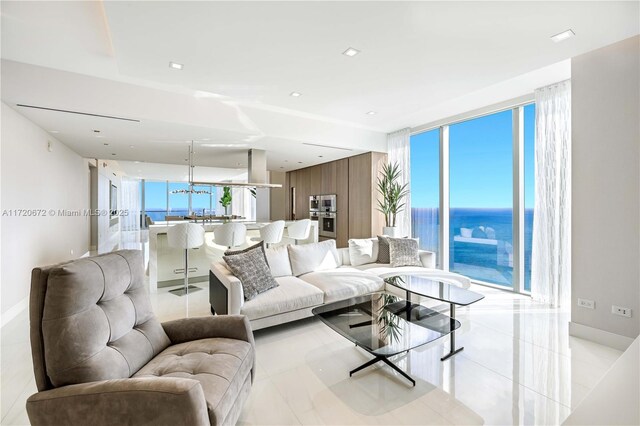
x,y
101,357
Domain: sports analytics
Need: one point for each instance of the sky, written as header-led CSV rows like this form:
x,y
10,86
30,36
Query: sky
x,y
480,163
156,197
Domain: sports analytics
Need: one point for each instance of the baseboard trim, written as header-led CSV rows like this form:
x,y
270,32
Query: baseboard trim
x,y
606,338
14,311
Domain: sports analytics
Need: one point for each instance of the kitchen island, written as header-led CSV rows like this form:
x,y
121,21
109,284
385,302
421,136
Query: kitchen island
x,y
165,260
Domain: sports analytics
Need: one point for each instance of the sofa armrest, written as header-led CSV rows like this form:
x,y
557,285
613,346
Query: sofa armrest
x,y
144,401
427,258
233,286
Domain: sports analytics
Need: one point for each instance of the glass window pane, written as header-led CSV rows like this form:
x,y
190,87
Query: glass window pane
x,y
481,198
425,189
178,202
201,203
529,188
155,200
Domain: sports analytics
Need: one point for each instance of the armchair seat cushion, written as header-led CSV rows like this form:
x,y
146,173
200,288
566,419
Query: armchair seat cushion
x,y
221,365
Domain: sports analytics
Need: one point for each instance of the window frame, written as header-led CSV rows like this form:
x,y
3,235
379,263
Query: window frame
x,y
516,107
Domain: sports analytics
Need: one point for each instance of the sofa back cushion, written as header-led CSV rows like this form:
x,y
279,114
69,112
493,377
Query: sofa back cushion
x,y
313,257
278,260
97,322
363,251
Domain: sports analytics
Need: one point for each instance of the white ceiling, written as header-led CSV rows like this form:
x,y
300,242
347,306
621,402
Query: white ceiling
x,y
179,173
420,61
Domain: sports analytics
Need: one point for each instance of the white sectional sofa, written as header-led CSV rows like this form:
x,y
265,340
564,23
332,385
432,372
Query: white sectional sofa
x,y
310,275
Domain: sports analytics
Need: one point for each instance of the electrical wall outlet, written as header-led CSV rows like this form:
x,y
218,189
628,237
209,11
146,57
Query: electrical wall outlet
x,y
619,310
586,303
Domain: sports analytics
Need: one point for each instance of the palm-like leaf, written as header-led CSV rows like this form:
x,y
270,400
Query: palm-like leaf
x,y
392,193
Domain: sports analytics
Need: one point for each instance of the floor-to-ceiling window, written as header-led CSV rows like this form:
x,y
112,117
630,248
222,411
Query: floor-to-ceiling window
x,y
529,190
481,198
201,200
425,189
155,199
477,179
178,201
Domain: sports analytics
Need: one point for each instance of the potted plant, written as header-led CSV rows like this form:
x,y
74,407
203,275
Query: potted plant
x,y
225,200
392,194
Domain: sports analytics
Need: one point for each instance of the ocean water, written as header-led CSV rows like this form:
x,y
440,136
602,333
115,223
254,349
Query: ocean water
x,y
486,257
158,215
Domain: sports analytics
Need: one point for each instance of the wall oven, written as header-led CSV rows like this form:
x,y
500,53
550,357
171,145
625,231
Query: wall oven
x,y
314,203
328,203
327,225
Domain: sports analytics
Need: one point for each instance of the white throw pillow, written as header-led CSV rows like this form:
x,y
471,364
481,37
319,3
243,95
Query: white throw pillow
x,y
278,260
313,257
466,232
363,251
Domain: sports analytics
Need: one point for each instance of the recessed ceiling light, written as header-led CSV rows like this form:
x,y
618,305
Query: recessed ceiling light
x,y
113,153
351,52
54,131
131,146
137,162
299,162
371,113
282,167
320,156
295,94
96,131
563,36
105,144
175,65
286,161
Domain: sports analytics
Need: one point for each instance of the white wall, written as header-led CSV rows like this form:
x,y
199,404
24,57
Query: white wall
x,y
614,400
606,188
34,178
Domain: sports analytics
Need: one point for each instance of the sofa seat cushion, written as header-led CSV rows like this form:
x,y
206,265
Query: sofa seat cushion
x,y
291,294
220,365
343,283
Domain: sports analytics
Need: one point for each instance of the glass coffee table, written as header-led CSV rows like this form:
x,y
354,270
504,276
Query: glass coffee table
x,y
385,325
437,290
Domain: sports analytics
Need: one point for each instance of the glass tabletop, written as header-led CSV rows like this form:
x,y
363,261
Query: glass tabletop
x,y
385,324
433,289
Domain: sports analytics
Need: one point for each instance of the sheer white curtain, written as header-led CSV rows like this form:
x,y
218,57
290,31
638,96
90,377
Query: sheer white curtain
x,y
130,202
398,151
551,252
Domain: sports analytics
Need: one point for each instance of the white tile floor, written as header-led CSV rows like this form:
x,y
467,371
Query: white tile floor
x,y
519,366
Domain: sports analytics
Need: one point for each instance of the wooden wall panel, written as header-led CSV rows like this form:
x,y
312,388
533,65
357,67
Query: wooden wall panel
x,y
360,196
378,159
329,178
342,192
353,181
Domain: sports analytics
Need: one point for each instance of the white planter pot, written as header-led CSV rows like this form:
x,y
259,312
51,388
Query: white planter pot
x,y
391,231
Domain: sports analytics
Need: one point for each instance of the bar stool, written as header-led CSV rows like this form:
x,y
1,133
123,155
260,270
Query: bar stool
x,y
299,230
185,236
230,235
271,233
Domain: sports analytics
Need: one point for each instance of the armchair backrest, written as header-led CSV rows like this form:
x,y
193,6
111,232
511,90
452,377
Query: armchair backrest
x,y
91,320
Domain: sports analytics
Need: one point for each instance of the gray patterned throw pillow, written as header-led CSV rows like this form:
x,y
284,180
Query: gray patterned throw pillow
x,y
250,266
383,249
403,252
